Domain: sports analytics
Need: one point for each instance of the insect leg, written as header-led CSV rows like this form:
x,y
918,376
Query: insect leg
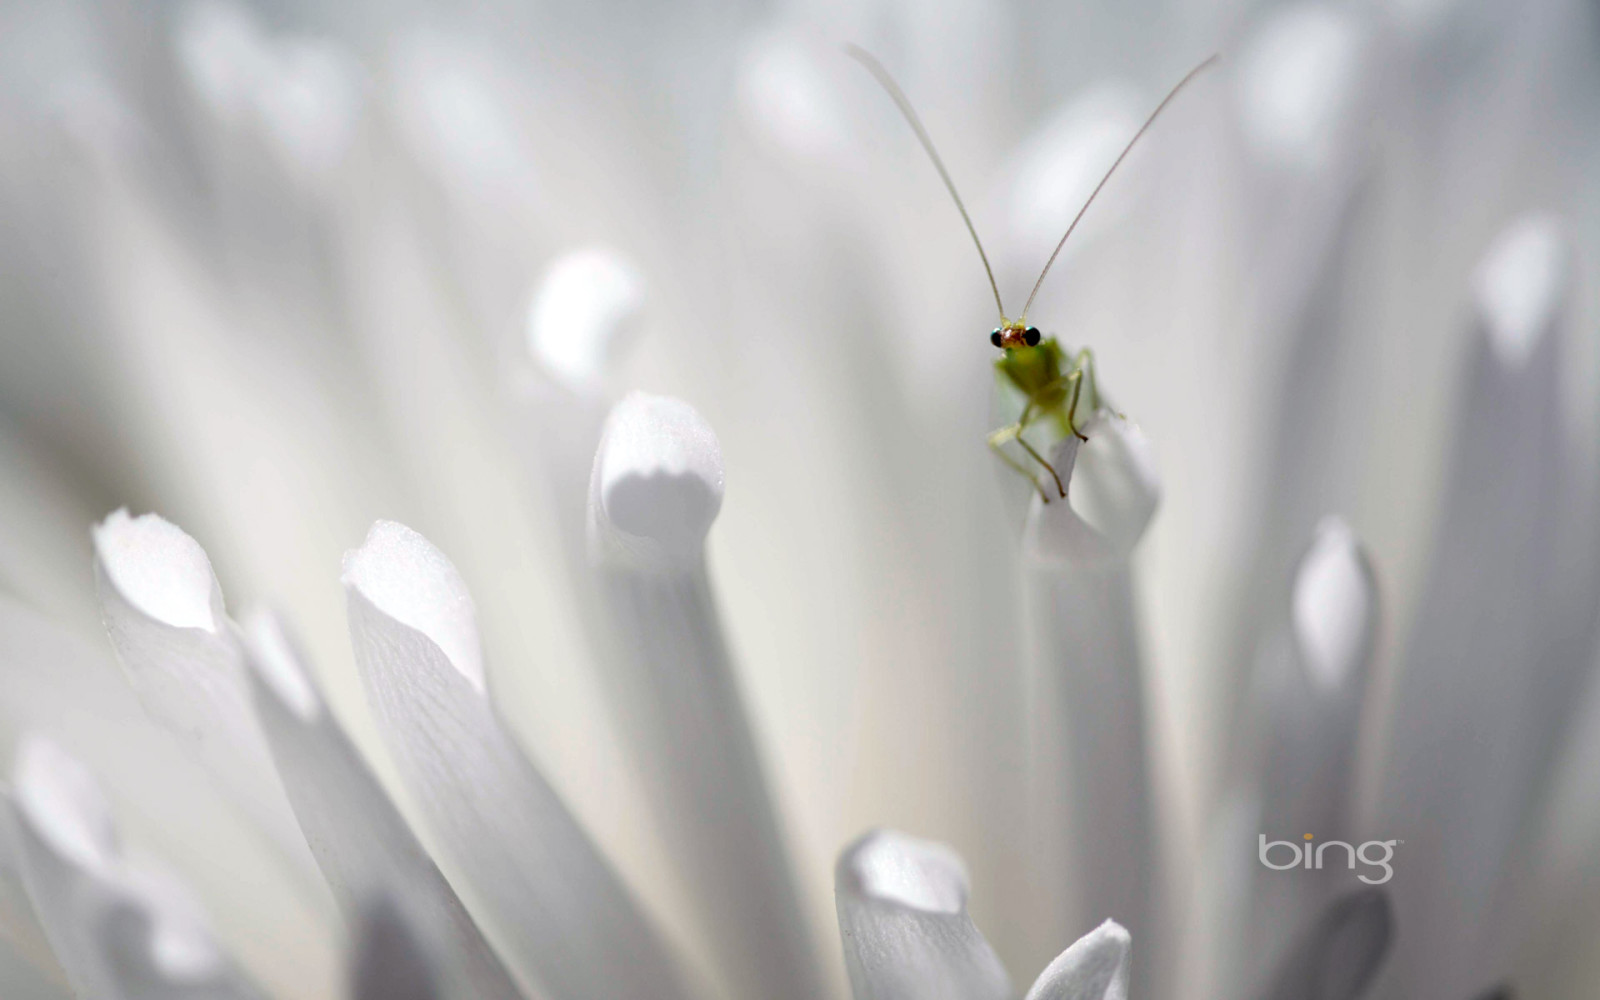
x,y
1076,378
1022,425
997,441
1048,467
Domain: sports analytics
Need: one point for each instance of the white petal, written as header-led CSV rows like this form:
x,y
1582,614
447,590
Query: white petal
x,y
902,906
120,932
159,570
1061,165
407,579
164,614
1520,284
1307,695
1113,489
1094,968
359,839
1054,532
672,683
1334,604
547,893
1296,79
1115,486
657,481
74,693
1510,596
586,302
1089,786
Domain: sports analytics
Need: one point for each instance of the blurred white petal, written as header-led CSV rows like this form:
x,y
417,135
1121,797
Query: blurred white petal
x,y
121,933
1520,285
586,303
1513,522
1296,79
1296,749
1334,601
56,685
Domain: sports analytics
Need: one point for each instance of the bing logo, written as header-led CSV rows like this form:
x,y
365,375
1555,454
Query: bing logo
x,y
1374,853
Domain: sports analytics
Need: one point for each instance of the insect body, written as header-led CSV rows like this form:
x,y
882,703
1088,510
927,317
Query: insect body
x,y
1054,385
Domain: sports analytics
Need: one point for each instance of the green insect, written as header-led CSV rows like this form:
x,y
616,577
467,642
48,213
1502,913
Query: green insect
x,y
1054,383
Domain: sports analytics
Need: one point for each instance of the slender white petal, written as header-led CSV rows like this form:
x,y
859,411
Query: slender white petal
x,y
549,896
121,933
358,838
73,692
587,301
25,955
1298,757
1509,600
656,487
1091,787
1094,968
903,920
1297,76
1334,604
1337,957
164,613
1520,284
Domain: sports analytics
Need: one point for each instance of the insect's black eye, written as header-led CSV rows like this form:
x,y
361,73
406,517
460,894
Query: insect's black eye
x,y
1031,335
994,338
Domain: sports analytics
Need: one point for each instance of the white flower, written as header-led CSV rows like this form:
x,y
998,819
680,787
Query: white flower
x,y
642,348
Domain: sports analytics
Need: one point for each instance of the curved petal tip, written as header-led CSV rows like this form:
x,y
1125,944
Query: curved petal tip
x,y
407,578
659,473
892,867
158,569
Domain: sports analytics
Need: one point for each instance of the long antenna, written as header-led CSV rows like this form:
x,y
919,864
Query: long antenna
x,y
874,67
1120,157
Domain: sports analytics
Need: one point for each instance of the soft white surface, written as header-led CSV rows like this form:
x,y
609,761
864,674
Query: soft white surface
x,y
1054,532
896,868
1296,77
1060,167
276,662
586,299
1115,484
411,581
119,931
1519,284
1333,605
303,94
660,472
180,945
157,568
785,97
1094,968
62,801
